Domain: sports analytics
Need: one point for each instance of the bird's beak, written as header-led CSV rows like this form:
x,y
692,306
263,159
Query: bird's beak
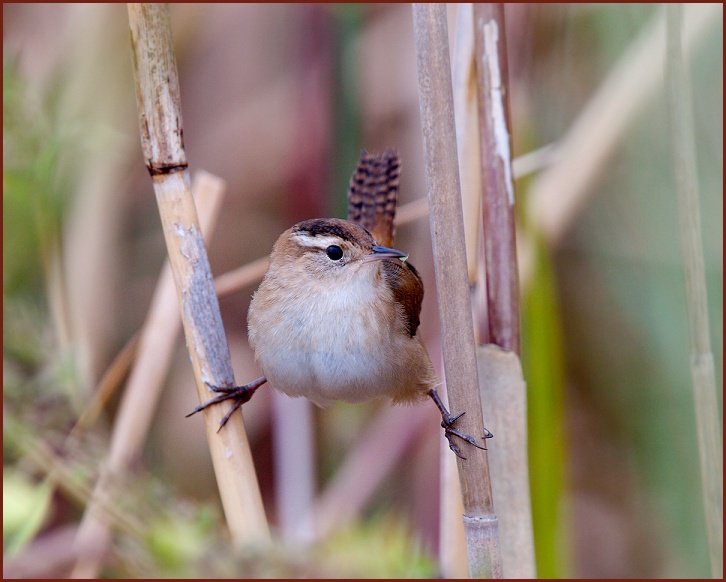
x,y
380,253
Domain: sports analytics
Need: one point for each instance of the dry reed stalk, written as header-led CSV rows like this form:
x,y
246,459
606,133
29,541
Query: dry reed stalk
x,y
452,543
496,298
701,357
502,386
160,121
453,560
249,274
447,233
156,342
467,137
500,261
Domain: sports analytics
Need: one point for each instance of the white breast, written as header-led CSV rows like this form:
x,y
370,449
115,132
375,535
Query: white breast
x,y
332,345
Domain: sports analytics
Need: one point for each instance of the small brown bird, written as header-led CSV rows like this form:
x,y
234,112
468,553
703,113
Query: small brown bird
x,y
336,316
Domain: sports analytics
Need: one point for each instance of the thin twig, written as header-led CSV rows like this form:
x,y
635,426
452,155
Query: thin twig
x,y
108,384
447,233
701,360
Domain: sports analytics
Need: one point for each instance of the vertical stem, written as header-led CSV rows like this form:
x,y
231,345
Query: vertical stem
x,y
502,282
501,383
162,140
702,366
447,230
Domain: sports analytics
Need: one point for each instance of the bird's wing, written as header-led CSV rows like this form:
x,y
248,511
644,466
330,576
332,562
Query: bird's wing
x,y
407,287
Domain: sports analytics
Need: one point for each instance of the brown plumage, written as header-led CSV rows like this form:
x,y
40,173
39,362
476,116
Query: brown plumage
x,y
372,200
336,316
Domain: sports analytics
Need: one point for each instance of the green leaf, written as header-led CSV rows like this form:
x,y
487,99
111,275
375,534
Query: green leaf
x,y
543,363
26,506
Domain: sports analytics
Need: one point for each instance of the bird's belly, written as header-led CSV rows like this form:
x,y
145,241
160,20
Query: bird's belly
x,y
323,376
338,357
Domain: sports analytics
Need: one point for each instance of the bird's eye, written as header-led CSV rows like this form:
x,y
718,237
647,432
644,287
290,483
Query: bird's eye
x,y
334,252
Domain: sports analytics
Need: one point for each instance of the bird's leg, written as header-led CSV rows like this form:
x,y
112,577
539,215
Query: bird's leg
x,y
447,423
240,395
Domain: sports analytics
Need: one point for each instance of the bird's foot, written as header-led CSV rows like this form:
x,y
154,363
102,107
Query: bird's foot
x,y
447,423
240,395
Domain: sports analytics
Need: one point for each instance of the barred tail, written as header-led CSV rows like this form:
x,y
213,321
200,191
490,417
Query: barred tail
x,y
373,193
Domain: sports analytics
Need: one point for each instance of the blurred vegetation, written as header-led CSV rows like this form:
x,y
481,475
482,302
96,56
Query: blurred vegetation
x,y
35,186
614,464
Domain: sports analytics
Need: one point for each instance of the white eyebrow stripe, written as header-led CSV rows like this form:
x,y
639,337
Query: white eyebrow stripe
x,y
318,242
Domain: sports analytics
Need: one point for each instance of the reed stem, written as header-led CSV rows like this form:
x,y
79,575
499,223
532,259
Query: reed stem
x,y
160,122
502,384
449,249
703,374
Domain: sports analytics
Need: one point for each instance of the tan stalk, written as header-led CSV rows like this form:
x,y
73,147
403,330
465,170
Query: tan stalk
x,y
452,543
502,385
160,121
447,233
156,343
703,374
500,253
467,137
500,372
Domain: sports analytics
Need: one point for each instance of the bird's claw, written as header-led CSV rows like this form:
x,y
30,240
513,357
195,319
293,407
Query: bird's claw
x,y
240,395
447,423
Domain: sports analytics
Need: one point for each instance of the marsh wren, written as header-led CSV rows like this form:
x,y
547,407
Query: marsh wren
x,y
336,316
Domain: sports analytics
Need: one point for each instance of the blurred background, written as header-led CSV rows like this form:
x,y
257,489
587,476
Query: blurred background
x,y
279,100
